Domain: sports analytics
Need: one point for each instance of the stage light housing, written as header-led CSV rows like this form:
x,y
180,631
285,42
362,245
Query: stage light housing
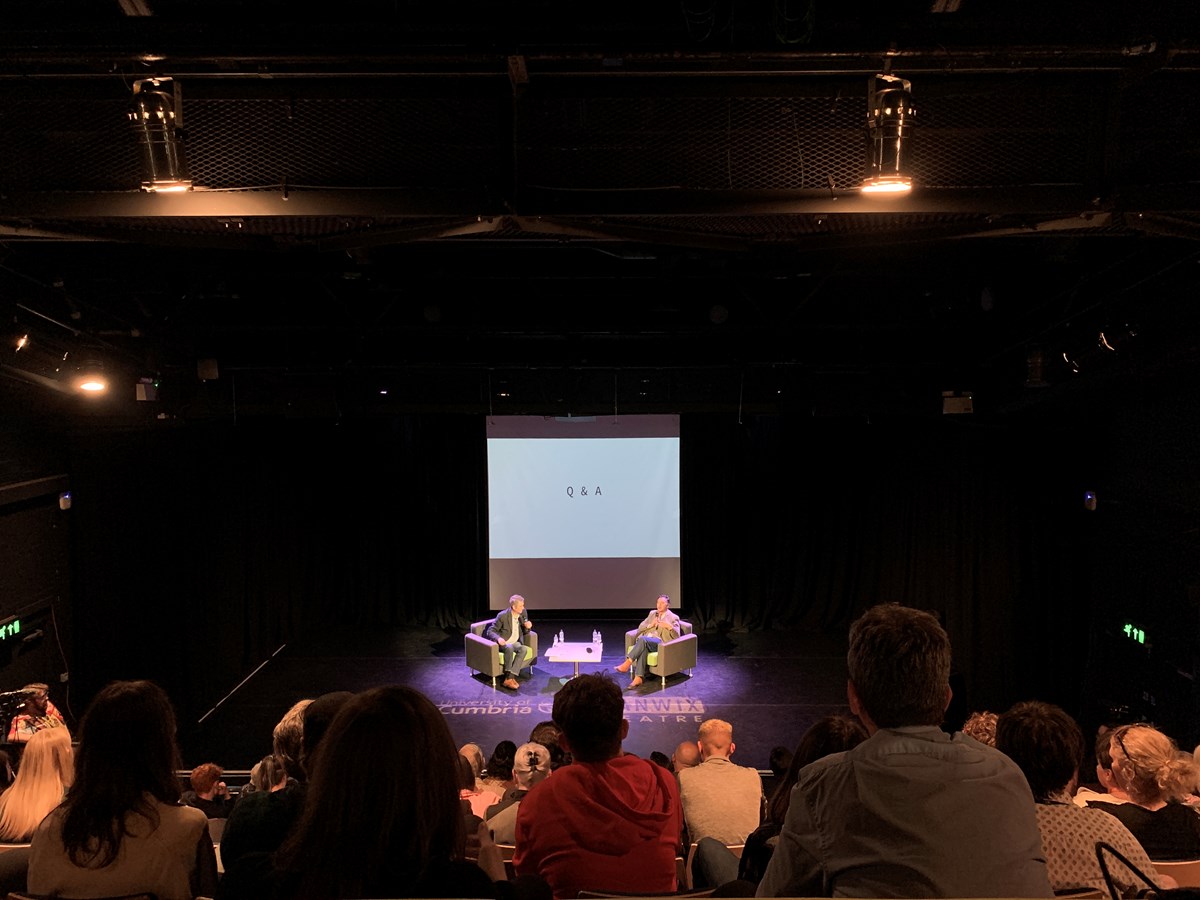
x,y
158,120
90,378
890,112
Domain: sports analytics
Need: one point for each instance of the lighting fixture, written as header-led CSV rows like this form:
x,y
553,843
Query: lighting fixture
x,y
90,378
157,117
890,112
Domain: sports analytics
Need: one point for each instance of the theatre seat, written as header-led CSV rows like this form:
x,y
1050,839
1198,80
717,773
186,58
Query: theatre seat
x,y
671,656
484,655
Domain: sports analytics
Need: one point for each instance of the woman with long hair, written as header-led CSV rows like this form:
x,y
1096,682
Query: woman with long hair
x,y
121,828
47,769
382,817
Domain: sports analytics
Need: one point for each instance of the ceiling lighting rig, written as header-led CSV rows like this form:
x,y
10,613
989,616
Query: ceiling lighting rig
x,y
890,112
157,117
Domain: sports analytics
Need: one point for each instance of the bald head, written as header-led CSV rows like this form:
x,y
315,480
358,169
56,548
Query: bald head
x,y
715,738
686,755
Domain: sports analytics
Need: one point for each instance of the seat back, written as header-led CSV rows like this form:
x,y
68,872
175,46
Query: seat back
x,y
689,879
1186,872
478,628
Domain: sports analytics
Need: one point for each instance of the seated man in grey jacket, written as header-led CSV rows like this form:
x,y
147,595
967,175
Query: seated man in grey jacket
x,y
911,811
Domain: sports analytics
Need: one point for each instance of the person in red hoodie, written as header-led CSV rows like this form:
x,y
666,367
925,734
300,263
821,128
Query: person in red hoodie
x,y
608,821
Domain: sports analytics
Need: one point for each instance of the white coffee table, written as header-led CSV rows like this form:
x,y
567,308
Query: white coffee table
x,y
575,653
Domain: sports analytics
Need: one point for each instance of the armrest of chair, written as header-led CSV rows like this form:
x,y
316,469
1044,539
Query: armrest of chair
x,y
679,654
530,640
480,652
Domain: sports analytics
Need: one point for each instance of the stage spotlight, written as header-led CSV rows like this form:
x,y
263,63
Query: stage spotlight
x,y
890,112
90,378
158,118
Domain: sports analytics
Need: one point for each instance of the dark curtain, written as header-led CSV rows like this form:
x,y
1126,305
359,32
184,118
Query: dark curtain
x,y
200,549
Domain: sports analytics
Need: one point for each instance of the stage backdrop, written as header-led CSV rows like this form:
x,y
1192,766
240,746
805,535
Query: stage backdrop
x,y
200,549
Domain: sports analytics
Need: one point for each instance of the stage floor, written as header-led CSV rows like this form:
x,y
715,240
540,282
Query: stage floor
x,y
770,685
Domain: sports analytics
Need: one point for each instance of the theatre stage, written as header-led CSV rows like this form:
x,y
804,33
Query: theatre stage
x,y
770,685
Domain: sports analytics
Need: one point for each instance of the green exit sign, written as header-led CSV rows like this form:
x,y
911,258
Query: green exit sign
x,y
10,629
1134,633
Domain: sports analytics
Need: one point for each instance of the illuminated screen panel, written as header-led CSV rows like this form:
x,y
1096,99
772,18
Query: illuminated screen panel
x,y
583,513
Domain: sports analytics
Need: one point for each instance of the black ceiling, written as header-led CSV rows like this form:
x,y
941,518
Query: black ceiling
x,y
536,207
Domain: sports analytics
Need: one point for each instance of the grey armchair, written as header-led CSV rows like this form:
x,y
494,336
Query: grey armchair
x,y
672,656
483,655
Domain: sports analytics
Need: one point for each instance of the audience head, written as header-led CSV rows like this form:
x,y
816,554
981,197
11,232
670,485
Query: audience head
x,y
531,764
315,721
661,759
982,727
1146,767
779,760
590,712
383,801
47,770
831,734
899,664
126,754
204,778
715,738
288,739
38,700
547,734
686,755
266,775
1046,744
473,754
500,763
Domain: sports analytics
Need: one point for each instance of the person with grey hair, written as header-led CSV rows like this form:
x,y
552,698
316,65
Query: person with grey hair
x,y
531,766
911,811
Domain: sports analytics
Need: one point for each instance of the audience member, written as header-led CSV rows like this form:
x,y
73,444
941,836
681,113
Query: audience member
x,y
1147,769
473,754
982,727
1047,745
530,767
261,821
831,734
121,829
661,759
39,713
547,734
498,776
478,799
686,755
721,800
209,793
1113,792
608,821
266,775
912,811
382,818
47,770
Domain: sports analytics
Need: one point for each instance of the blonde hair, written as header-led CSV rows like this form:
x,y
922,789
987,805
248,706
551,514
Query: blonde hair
x,y
982,726
715,736
47,770
1147,766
